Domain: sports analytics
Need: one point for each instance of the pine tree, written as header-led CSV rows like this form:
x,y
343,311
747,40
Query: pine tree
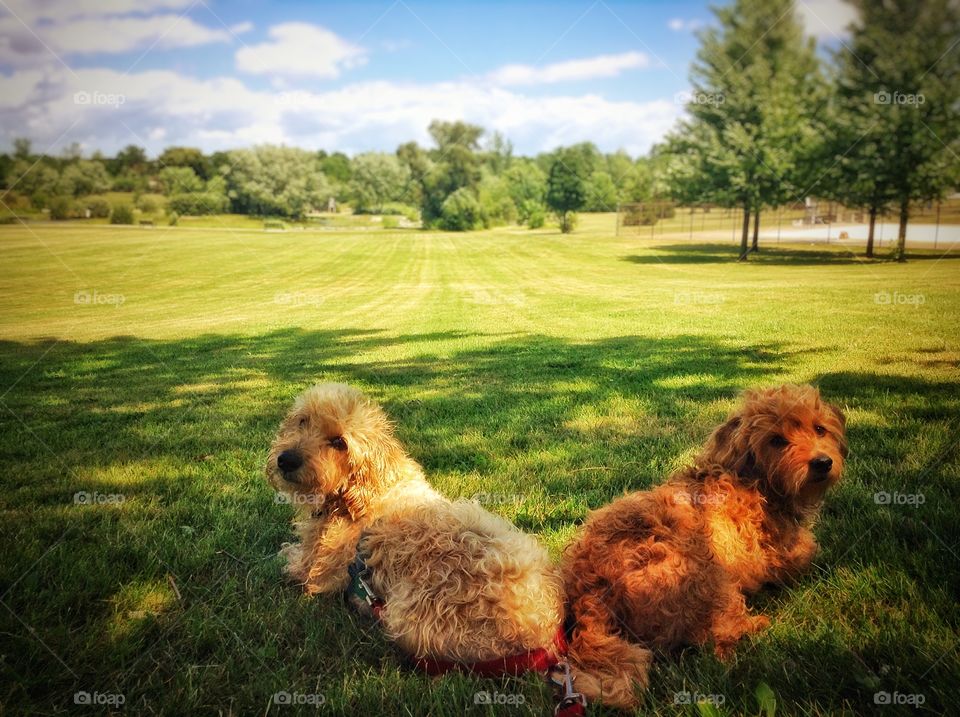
x,y
896,129
756,86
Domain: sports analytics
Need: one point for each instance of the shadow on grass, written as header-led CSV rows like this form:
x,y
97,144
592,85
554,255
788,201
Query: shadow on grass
x,y
180,428
768,254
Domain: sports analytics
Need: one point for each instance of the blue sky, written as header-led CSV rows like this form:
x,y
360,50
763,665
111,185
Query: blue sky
x,y
349,76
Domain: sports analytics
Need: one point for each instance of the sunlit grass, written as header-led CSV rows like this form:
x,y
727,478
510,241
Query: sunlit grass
x,y
542,374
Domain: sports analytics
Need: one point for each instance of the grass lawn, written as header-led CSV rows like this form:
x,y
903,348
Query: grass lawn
x,y
147,370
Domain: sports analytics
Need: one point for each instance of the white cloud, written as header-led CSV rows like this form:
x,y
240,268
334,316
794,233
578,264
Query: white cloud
x,y
300,49
826,19
160,108
678,24
43,42
29,10
587,68
241,28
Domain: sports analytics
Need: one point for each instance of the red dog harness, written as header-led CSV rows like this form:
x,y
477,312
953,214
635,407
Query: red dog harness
x,y
542,660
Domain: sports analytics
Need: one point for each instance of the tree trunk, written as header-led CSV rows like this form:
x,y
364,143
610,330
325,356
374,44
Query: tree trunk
x,y
745,234
873,223
756,231
902,232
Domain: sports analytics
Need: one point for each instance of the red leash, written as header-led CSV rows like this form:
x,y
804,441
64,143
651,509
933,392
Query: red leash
x,y
542,660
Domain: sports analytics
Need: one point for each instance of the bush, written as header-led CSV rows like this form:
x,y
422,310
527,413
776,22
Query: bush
x,y
461,211
198,204
147,205
62,208
99,208
173,219
122,214
403,210
536,217
391,222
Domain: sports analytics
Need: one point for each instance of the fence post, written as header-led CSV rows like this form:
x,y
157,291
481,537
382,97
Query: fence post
x,y
936,231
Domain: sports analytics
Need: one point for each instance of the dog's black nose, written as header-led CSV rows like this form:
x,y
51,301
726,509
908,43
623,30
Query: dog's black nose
x,y
289,461
821,464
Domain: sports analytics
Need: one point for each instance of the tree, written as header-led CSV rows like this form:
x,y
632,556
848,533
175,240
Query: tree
x,y
337,167
22,148
187,157
455,165
180,180
566,190
132,159
82,178
527,187
377,178
601,193
756,87
270,180
896,125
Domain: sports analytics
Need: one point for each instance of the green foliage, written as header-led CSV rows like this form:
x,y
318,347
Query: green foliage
x,y
378,178
99,208
461,211
62,208
527,186
122,214
198,203
280,181
129,182
496,205
391,222
601,193
454,165
566,189
173,218
401,210
180,180
893,129
83,177
337,167
147,205
186,157
536,217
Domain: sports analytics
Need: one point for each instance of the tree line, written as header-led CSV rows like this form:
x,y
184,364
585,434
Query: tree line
x,y
873,126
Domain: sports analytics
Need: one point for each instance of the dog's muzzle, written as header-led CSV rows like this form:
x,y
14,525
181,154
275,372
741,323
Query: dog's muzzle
x,y
289,462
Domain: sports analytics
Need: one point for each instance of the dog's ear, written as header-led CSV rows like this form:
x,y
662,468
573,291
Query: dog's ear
x,y
370,458
727,447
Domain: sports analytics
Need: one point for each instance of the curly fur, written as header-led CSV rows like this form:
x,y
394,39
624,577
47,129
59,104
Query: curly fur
x,y
668,567
458,583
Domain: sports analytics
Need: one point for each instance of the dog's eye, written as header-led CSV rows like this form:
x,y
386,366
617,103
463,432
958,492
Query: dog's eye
x,y
820,430
779,442
338,443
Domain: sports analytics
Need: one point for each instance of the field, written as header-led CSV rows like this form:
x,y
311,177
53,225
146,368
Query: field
x,y
143,372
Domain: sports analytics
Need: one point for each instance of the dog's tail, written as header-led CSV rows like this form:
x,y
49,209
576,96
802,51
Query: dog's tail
x,y
606,668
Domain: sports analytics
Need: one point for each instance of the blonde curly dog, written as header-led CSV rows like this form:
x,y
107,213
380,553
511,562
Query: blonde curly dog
x,y
458,582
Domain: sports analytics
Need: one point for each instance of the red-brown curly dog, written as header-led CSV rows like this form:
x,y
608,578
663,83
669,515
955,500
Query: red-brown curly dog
x,y
668,567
